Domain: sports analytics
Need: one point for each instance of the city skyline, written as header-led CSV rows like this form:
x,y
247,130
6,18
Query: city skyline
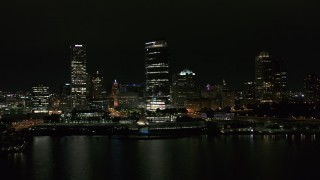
x,y
159,89
202,83
216,40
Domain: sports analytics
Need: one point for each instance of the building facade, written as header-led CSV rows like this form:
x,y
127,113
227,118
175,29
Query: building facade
x,y
79,76
40,99
312,88
247,95
264,78
270,79
131,96
157,88
97,86
183,88
280,80
113,100
98,96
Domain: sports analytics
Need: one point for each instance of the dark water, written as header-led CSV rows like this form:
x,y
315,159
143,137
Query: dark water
x,y
222,157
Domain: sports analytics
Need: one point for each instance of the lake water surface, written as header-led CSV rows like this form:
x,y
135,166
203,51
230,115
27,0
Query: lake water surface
x,y
202,157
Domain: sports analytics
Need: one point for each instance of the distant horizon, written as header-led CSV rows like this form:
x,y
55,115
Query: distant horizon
x,y
215,39
123,81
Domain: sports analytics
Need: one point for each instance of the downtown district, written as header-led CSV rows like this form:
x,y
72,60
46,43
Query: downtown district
x,y
163,97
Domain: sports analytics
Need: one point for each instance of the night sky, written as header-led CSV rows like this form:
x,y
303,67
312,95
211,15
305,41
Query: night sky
x,y
217,39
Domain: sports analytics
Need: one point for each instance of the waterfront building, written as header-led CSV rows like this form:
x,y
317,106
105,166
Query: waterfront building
x,y
15,103
247,95
264,78
40,99
183,88
97,86
79,76
312,88
157,89
98,97
280,80
223,116
217,96
96,104
249,88
270,79
131,96
227,99
128,100
88,116
61,102
113,100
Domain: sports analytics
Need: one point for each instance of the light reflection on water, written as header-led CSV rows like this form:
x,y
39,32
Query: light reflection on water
x,y
221,157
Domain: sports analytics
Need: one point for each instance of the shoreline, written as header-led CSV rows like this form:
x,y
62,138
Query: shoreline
x,y
233,127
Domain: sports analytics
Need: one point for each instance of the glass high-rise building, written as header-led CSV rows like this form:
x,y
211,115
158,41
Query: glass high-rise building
x,y
270,79
280,80
97,85
98,98
157,92
312,88
40,99
264,78
78,76
184,88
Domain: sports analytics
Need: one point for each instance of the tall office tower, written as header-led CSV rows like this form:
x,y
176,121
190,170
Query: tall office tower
x,y
63,102
183,88
78,76
157,92
97,85
249,88
65,90
264,78
98,98
312,88
245,96
280,80
114,94
40,99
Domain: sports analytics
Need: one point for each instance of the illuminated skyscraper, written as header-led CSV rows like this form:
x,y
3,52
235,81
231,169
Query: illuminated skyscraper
x,y
183,88
98,98
97,85
40,99
114,94
312,88
78,76
280,80
157,94
270,79
247,95
264,78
